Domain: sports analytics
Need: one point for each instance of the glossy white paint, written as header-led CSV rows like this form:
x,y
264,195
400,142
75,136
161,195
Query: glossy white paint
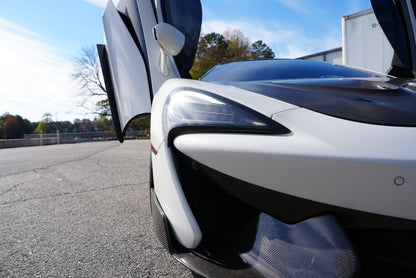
x,y
169,38
128,70
171,42
325,159
172,200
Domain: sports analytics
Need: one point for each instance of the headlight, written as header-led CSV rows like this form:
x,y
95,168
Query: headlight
x,y
197,111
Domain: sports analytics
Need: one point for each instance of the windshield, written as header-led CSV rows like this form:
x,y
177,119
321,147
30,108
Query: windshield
x,y
278,70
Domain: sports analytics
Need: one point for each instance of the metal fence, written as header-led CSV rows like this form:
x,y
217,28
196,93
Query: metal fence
x,y
66,138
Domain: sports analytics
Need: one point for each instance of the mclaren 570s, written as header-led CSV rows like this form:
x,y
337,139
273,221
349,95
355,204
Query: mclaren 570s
x,y
270,168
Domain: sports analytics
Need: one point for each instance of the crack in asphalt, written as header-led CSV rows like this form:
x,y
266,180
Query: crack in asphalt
x,y
72,193
13,187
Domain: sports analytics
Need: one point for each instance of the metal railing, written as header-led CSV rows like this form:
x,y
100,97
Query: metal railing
x,y
66,138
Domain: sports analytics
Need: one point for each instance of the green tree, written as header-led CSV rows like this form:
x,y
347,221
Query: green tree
x,y
11,127
44,127
34,126
106,122
104,107
238,46
259,50
215,49
140,124
25,126
47,120
64,126
77,123
212,51
85,126
14,126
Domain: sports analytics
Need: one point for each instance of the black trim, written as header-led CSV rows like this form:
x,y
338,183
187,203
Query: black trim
x,y
385,253
407,26
361,100
130,28
208,269
160,222
102,53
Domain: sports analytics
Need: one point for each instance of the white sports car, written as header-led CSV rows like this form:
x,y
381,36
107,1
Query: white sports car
x,y
270,168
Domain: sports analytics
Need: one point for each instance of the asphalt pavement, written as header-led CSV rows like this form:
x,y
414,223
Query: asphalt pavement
x,y
79,210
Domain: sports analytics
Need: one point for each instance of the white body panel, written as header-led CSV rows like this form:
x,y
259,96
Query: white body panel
x,y
172,200
127,68
166,183
354,167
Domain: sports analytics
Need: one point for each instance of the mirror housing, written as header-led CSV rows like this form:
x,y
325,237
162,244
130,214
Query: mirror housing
x,y
171,42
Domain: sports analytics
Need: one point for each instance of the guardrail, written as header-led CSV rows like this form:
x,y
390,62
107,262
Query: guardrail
x,y
66,138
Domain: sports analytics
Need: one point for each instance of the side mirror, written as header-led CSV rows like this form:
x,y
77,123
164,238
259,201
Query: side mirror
x,y
171,42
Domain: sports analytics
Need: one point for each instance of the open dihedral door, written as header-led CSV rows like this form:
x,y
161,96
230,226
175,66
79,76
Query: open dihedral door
x,y
135,62
397,19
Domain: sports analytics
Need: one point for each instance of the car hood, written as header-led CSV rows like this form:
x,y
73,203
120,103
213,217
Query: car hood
x,y
381,101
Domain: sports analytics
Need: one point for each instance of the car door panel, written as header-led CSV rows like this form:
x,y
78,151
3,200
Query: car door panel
x,y
128,69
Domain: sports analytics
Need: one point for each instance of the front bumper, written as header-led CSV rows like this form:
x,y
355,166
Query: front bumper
x,y
237,219
232,182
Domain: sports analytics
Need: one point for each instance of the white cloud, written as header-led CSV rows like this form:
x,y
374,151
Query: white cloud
x,y
285,42
33,78
16,28
300,6
101,3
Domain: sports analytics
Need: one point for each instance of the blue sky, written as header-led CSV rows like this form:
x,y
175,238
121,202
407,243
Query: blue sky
x,y
39,39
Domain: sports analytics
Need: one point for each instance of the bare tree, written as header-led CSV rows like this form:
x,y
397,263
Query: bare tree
x,y
238,44
47,118
87,73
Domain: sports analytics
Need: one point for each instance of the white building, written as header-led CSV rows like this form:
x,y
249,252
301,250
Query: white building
x,y
364,44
